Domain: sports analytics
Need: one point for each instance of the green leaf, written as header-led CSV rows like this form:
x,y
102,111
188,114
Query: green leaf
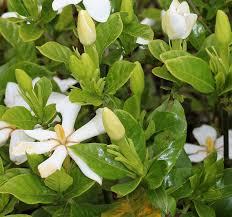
x,y
137,29
17,6
204,210
123,189
30,32
59,181
34,160
162,72
108,32
80,185
193,71
132,106
49,113
1,167
156,174
20,117
29,189
173,54
2,110
84,97
47,14
32,8
133,131
157,47
118,75
56,52
96,156
18,215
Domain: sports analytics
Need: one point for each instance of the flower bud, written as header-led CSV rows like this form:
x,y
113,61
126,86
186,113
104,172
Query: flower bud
x,y
86,28
127,6
137,80
177,21
24,80
113,125
223,28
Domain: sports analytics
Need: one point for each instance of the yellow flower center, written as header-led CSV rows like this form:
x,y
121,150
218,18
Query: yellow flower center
x,y
60,134
210,144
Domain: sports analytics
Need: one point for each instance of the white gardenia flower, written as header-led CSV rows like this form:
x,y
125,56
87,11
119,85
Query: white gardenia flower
x,y
59,141
208,142
149,22
12,15
64,84
99,10
177,21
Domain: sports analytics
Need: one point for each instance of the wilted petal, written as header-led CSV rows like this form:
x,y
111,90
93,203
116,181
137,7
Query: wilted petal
x,y
193,149
13,97
99,10
18,136
196,158
85,168
203,133
69,112
93,128
53,163
58,5
64,84
41,135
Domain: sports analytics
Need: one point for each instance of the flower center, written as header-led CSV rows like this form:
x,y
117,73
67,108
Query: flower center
x,y
60,134
210,144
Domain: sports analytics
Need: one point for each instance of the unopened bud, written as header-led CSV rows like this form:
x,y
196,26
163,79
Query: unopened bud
x,y
24,80
113,125
137,80
86,28
127,6
223,28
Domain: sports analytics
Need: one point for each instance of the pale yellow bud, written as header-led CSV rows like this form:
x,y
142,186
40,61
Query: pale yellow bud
x,y
86,28
112,125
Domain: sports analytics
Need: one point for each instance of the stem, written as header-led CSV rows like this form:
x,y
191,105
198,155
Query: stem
x,y
224,54
177,44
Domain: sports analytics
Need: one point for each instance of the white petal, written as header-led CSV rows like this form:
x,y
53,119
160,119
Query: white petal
x,y
41,135
196,158
183,8
193,149
202,133
35,80
93,128
85,168
174,5
34,147
64,84
142,41
69,112
55,98
4,135
4,124
148,21
13,97
58,5
219,143
190,22
10,15
18,136
53,163
99,10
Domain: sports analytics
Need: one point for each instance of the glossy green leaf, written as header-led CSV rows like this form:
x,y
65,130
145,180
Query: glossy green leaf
x,y
157,47
30,32
96,156
193,71
118,75
204,210
29,189
20,117
172,54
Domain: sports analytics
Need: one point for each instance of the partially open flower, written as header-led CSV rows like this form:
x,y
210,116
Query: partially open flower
x,y
99,10
177,21
207,138
58,142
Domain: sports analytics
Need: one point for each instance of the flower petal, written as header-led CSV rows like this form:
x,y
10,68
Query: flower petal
x,y
40,134
18,136
10,15
174,5
34,147
196,158
64,84
93,128
99,10
53,163
183,8
202,133
190,22
69,112
4,135
193,149
55,98
13,97
58,5
4,124
85,168
219,143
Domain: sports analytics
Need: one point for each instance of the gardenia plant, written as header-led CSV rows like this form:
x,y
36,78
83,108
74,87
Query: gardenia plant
x,y
115,108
